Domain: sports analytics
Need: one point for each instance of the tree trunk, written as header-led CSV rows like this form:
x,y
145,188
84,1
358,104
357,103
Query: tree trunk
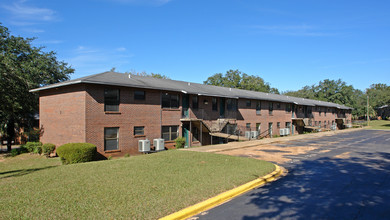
x,y
10,133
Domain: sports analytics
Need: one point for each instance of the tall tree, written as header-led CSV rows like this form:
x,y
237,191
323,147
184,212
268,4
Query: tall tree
x,y
143,73
24,67
336,91
379,95
239,80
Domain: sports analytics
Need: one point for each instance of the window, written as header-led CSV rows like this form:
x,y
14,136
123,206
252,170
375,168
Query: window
x,y
111,139
324,124
288,107
111,100
288,125
278,124
309,110
248,103
169,133
195,102
325,112
248,125
232,104
319,124
170,100
139,130
332,111
278,105
139,95
195,134
215,104
258,108
270,107
315,123
258,127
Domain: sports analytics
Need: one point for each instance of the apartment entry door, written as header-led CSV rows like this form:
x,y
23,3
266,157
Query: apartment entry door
x,y
186,132
222,107
185,100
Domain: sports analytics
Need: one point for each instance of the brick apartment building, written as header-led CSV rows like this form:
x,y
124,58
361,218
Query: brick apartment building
x,y
114,111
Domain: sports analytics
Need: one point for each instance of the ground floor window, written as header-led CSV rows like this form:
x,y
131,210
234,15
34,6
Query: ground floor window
x,y
170,133
111,138
195,134
139,130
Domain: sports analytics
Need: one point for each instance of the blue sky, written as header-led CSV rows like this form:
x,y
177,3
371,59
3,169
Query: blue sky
x,y
288,43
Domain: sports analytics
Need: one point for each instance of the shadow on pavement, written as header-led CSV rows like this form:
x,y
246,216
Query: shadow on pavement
x,y
328,188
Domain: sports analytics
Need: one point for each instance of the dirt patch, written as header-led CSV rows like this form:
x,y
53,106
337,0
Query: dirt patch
x,y
345,155
270,152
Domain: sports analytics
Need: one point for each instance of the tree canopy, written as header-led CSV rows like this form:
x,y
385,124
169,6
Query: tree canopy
x,y
24,67
143,73
239,80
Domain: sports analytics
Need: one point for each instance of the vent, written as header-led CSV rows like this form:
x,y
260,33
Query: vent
x,y
144,146
159,144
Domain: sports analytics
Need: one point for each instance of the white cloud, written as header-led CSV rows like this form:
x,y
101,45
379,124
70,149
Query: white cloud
x,y
120,49
23,14
292,30
87,60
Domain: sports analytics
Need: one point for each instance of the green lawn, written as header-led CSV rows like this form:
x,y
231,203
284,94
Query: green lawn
x,y
138,187
379,124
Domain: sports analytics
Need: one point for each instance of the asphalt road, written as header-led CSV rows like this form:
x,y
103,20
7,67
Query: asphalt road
x,y
348,177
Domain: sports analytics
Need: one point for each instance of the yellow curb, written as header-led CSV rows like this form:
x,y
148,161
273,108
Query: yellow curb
x,y
223,197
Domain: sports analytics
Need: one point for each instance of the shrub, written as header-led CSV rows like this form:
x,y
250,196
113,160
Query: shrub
x,y
14,152
76,152
48,148
180,142
34,147
127,155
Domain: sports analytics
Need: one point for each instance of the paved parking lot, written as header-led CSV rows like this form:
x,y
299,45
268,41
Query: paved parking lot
x,y
343,176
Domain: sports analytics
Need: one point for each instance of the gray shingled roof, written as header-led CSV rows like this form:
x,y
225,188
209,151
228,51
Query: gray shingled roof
x,y
120,79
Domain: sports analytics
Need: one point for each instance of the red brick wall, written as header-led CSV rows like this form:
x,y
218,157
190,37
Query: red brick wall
x,y
147,113
62,115
76,114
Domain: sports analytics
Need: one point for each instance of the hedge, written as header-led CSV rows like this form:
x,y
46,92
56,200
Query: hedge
x,y
48,148
34,147
76,152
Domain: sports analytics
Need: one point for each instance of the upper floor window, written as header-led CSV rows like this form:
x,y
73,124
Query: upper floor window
x,y
271,107
139,95
248,103
258,108
111,100
278,105
195,102
288,107
215,104
232,104
170,100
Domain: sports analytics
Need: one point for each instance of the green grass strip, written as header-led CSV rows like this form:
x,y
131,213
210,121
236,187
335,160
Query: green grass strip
x,y
139,187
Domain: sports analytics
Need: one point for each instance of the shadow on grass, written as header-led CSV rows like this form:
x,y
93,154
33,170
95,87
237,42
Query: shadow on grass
x,y
327,188
21,172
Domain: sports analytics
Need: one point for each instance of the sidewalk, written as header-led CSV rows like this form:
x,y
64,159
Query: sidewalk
x,y
245,144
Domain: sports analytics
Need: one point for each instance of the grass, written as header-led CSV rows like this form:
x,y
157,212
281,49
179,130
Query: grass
x,y
139,187
379,124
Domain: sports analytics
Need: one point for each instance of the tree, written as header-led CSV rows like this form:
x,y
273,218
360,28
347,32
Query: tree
x,y
24,67
239,80
379,95
336,91
143,73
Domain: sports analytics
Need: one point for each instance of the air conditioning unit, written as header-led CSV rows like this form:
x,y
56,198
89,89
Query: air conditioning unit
x,y
254,134
144,146
282,132
287,131
158,144
248,134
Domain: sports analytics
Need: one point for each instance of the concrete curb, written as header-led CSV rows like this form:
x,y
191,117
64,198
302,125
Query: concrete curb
x,y
223,197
